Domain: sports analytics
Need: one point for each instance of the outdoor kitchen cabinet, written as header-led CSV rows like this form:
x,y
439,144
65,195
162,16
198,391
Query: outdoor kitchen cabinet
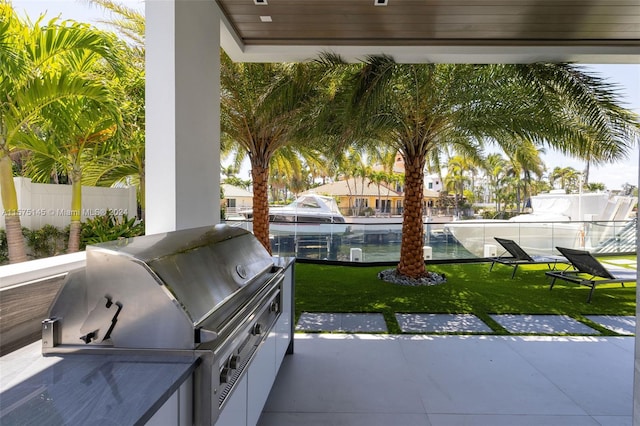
x,y
185,327
176,411
235,412
245,406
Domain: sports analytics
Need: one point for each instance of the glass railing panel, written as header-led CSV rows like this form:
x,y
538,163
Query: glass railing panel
x,y
542,238
380,241
443,244
352,243
611,236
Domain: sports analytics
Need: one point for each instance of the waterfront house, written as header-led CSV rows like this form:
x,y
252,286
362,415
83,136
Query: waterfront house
x,y
236,199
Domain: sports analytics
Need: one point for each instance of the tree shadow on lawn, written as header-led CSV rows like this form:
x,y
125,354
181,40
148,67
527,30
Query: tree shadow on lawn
x,y
470,288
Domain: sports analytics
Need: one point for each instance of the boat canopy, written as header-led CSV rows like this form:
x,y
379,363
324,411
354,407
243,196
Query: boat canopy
x,y
314,201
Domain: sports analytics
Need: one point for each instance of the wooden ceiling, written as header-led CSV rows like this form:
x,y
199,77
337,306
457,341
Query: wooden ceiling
x,y
435,22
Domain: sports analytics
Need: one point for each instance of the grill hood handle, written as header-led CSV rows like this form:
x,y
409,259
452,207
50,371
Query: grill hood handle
x,y
103,316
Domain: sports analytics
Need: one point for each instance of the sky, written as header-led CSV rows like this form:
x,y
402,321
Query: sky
x,y
626,76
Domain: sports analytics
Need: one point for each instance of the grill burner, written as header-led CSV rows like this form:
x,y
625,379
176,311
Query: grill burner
x,y
213,293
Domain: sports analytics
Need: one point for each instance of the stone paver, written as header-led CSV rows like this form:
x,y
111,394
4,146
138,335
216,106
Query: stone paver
x,y
342,322
461,323
620,324
542,324
441,323
627,263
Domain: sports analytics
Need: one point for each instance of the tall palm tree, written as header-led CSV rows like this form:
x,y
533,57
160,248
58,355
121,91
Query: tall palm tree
x,y
125,163
494,167
38,68
567,177
262,109
351,167
525,161
456,178
419,109
285,166
378,178
69,143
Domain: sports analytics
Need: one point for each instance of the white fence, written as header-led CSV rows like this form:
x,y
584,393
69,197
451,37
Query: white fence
x,y
42,204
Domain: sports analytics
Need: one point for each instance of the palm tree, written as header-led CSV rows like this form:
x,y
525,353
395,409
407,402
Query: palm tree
x,y
525,162
229,171
262,108
71,140
419,109
568,178
38,68
377,178
456,179
125,164
495,167
351,166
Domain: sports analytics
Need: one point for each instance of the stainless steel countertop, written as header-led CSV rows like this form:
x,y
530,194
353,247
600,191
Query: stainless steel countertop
x,y
86,389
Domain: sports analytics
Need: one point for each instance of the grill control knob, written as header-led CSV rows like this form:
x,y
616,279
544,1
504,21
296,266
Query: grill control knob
x,y
225,375
234,361
257,329
274,307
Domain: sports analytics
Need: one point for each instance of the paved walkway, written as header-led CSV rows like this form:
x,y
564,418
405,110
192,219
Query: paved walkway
x,y
464,323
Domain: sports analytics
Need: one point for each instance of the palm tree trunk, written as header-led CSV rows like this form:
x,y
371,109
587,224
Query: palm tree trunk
x,y
260,178
411,254
142,194
15,239
587,166
351,203
74,236
13,227
76,214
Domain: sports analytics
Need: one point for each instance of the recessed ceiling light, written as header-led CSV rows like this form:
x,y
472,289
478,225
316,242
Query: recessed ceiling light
x,y
266,18
379,2
260,2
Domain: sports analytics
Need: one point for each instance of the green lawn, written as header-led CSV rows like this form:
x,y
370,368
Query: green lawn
x,y
470,288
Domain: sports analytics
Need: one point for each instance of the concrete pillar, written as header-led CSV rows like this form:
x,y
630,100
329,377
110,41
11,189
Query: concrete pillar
x,y
182,114
636,363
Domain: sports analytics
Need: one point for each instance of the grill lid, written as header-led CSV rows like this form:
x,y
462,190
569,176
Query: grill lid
x,y
161,291
201,267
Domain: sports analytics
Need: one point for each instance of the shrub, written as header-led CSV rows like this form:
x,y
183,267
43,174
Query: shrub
x,y
368,211
109,227
4,247
46,241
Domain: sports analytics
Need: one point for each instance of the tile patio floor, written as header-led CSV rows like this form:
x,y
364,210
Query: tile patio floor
x,y
366,379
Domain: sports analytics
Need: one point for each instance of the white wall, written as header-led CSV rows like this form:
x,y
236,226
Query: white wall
x,y
42,204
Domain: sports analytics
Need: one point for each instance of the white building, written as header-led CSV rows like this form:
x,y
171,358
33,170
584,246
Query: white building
x,y
433,182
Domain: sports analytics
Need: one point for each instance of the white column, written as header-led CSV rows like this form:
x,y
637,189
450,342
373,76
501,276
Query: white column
x,y
182,114
636,363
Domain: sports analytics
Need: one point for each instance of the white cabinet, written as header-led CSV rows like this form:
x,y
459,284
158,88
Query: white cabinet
x,y
177,410
235,409
245,405
262,373
283,327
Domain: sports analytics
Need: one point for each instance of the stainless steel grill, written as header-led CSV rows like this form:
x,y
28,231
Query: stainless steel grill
x,y
213,292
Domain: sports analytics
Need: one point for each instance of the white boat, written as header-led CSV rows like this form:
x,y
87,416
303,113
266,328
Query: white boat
x,y
310,208
309,214
557,219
